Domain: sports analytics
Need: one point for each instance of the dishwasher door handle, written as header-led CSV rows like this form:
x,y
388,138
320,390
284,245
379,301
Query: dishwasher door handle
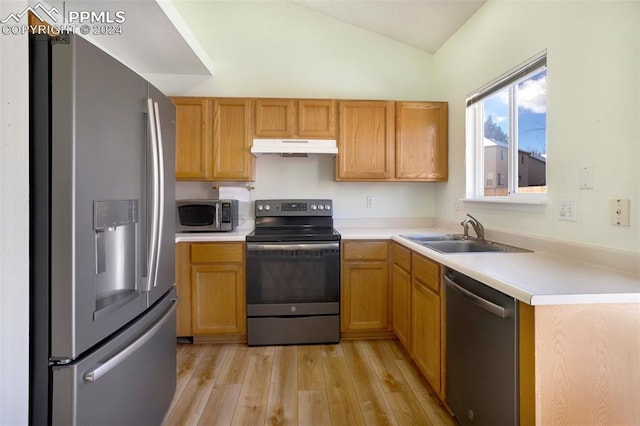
x,y
477,300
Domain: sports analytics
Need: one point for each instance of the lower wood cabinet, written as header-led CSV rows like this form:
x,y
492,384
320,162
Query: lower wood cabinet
x,y
401,293
365,289
426,320
211,286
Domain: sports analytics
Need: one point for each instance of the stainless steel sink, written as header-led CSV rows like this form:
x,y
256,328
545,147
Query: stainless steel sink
x,y
422,238
454,243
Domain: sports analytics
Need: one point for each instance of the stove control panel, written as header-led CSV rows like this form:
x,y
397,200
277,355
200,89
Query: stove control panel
x,y
289,207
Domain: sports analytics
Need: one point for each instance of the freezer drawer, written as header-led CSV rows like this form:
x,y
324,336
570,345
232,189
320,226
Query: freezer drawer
x,y
128,380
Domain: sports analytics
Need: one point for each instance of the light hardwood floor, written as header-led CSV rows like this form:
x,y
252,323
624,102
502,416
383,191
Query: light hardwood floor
x,y
357,382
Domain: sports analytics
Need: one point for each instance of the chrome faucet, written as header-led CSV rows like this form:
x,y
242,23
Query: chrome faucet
x,y
477,227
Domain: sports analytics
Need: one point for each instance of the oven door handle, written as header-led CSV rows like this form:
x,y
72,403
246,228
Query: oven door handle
x,y
292,247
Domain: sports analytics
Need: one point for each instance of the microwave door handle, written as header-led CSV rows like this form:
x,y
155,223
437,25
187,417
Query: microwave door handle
x,y
218,207
153,243
161,192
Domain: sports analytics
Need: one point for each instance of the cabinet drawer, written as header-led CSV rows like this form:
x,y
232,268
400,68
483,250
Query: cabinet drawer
x,y
401,256
365,250
426,271
216,252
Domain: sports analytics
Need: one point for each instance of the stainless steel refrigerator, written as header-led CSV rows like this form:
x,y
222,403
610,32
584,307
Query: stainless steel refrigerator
x,y
102,300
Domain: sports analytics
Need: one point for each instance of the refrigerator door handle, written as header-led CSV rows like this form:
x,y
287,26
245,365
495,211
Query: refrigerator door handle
x,y
160,204
113,362
152,260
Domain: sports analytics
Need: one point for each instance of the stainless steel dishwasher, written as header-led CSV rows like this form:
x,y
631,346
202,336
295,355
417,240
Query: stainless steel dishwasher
x,y
482,349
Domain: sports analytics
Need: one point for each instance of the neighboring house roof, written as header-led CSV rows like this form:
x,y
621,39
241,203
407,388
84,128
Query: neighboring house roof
x,y
490,142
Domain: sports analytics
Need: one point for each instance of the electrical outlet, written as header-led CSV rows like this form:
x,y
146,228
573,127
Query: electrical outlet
x,y
369,201
567,210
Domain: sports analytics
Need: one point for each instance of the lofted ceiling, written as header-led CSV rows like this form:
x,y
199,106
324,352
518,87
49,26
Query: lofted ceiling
x,y
156,40
424,24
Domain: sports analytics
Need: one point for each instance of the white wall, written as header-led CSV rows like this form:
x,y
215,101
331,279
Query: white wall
x,y
14,225
279,49
593,50
313,177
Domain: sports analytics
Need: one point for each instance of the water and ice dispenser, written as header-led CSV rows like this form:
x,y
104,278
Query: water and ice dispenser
x,y
115,226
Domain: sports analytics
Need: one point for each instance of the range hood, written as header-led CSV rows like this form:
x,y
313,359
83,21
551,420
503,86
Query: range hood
x,y
294,147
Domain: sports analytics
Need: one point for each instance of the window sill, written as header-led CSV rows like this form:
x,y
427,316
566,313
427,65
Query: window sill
x,y
537,201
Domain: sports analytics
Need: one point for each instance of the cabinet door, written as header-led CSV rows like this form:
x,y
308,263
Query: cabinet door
x,y
218,299
193,138
401,305
317,118
232,159
275,118
365,296
425,338
183,287
421,141
365,143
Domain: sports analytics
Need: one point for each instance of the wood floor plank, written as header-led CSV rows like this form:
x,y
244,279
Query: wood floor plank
x,y
407,409
252,403
341,393
234,372
190,405
313,408
310,375
426,397
373,403
221,405
282,406
188,357
383,362
370,382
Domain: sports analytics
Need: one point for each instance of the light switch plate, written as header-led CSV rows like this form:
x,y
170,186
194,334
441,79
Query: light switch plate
x,y
586,176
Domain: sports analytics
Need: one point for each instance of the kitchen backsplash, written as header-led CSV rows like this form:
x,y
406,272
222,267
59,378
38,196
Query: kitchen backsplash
x,y
314,177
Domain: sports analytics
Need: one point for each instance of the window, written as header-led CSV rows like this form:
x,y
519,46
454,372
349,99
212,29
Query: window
x,y
506,135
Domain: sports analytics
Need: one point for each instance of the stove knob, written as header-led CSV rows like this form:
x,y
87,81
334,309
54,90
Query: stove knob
x,y
260,207
327,207
313,207
320,207
267,207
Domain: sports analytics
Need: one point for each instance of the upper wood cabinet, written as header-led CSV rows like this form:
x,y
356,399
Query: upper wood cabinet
x,y
193,138
290,118
421,141
275,118
365,142
232,138
317,118
392,141
213,139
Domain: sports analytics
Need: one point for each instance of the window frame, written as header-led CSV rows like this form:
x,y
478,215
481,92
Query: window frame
x,y
474,134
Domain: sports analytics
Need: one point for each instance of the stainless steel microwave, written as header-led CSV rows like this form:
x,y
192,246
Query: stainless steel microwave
x,y
206,215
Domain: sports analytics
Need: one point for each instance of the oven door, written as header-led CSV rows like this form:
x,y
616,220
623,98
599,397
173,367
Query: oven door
x,y
293,278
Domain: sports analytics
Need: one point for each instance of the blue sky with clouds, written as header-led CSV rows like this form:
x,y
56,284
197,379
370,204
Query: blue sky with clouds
x,y
532,112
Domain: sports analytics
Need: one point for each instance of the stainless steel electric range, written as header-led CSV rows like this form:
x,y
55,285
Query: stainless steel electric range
x,y
293,274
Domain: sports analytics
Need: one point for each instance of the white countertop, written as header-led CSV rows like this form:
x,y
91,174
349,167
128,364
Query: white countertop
x,y
202,237
536,278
